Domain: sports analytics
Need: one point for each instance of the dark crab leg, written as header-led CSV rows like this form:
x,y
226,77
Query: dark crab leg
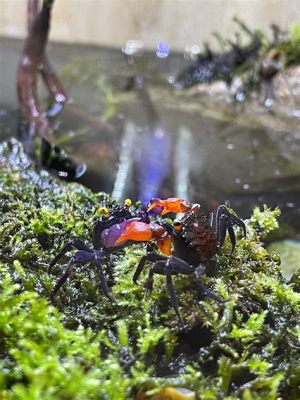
x,y
149,283
76,244
102,279
81,257
62,279
151,257
224,222
239,222
199,272
221,222
231,236
161,266
171,289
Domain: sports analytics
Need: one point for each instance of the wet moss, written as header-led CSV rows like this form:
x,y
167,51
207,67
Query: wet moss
x,y
86,346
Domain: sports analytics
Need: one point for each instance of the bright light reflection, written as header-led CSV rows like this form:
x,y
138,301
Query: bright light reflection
x,y
133,48
191,51
162,50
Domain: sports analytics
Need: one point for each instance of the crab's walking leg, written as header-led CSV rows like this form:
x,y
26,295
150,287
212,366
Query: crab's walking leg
x,y
231,236
76,244
211,295
81,257
149,282
171,289
102,279
239,222
62,279
221,224
224,223
151,257
161,266
199,272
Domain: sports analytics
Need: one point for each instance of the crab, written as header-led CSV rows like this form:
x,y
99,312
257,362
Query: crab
x,y
112,232
195,239
185,246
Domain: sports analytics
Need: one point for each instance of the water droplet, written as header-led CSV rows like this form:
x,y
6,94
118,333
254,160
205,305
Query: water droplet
x,y
230,146
268,102
133,48
162,50
290,204
191,51
60,98
240,96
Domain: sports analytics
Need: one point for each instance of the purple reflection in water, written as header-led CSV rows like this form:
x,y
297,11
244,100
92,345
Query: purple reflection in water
x,y
153,163
162,50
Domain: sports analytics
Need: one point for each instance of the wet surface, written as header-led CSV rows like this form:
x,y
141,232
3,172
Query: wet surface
x,y
190,144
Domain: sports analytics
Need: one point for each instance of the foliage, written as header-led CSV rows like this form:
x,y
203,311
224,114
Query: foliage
x,y
291,45
88,347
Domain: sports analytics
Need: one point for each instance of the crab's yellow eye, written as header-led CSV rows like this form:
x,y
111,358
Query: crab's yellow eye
x,y
177,225
102,211
127,202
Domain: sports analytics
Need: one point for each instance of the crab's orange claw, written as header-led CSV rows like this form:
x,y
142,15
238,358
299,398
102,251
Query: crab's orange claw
x,y
165,211
164,245
172,204
137,232
153,204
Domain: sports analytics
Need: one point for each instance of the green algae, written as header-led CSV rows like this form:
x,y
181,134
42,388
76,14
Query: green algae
x,y
84,346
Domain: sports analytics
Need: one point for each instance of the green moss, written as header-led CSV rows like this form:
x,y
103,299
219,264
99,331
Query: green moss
x,y
88,347
291,45
284,52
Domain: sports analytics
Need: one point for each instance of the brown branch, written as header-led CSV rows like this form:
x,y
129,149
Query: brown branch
x,y
31,61
34,61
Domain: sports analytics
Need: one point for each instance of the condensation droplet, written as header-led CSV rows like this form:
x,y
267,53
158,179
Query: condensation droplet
x,y
230,146
162,50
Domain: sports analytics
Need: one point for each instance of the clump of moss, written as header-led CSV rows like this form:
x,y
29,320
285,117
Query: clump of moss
x,y
291,45
87,346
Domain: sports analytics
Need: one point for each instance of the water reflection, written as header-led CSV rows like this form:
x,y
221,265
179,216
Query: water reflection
x,y
124,171
154,163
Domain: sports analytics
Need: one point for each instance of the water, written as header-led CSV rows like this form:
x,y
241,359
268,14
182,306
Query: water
x,y
163,142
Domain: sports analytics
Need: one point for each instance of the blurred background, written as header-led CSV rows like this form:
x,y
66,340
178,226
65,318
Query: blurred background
x,y
145,138
178,22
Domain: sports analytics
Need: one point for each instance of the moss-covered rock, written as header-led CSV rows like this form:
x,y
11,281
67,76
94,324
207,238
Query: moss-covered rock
x,y
88,347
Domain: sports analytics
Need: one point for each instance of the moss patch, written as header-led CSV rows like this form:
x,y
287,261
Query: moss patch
x,y
87,347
